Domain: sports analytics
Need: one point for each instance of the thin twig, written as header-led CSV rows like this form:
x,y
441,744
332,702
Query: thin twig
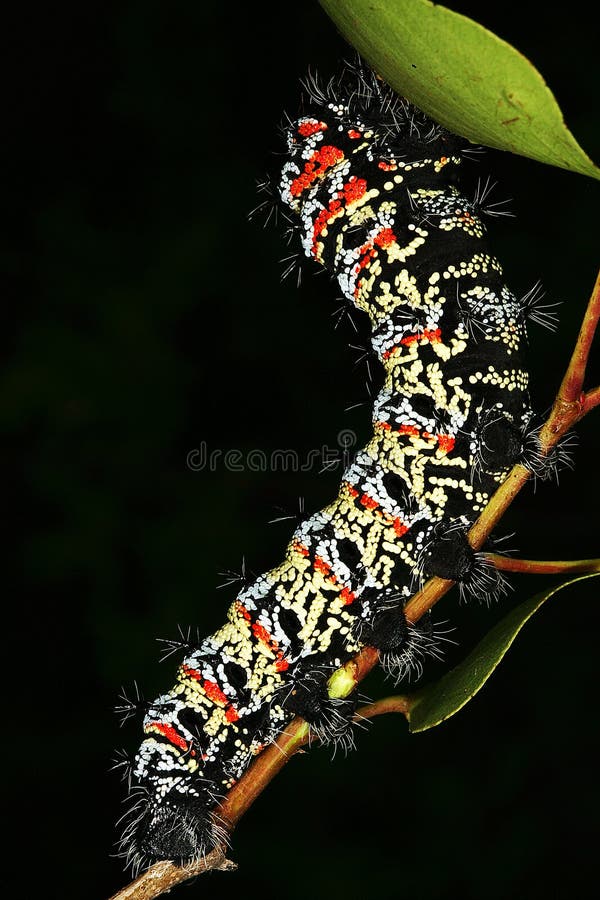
x,y
572,384
543,567
591,399
397,704
569,407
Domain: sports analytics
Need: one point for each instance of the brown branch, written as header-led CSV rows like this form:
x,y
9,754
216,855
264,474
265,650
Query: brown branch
x,y
162,876
569,407
572,384
544,567
397,704
591,399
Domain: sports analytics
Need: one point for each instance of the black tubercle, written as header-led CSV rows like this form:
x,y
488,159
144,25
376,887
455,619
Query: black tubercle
x,y
307,698
532,307
500,444
122,763
330,718
387,631
406,660
374,101
449,556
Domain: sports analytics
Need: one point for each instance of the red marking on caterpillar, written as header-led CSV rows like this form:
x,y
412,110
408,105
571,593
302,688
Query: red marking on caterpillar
x,y
353,191
399,527
269,641
310,127
385,238
321,566
241,610
214,692
194,674
433,335
446,442
368,502
347,596
169,732
262,634
210,688
324,568
315,167
300,548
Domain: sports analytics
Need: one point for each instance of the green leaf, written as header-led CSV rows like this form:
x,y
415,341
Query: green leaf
x,y
463,76
444,698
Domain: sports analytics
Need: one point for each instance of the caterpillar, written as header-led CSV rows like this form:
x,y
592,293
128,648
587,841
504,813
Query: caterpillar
x,y
371,187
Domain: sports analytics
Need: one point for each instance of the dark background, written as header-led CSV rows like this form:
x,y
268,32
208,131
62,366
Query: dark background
x,y
145,315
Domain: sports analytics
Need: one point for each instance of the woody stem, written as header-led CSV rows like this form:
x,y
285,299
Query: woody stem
x,y
543,567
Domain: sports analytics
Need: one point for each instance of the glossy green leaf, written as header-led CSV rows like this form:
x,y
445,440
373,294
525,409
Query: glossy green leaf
x,y
445,697
462,75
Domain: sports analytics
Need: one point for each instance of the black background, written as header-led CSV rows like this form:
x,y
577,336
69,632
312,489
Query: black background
x,y
145,315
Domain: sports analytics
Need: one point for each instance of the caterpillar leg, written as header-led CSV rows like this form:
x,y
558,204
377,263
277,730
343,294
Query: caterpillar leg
x,y
546,467
499,443
387,630
449,555
406,660
403,646
330,718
